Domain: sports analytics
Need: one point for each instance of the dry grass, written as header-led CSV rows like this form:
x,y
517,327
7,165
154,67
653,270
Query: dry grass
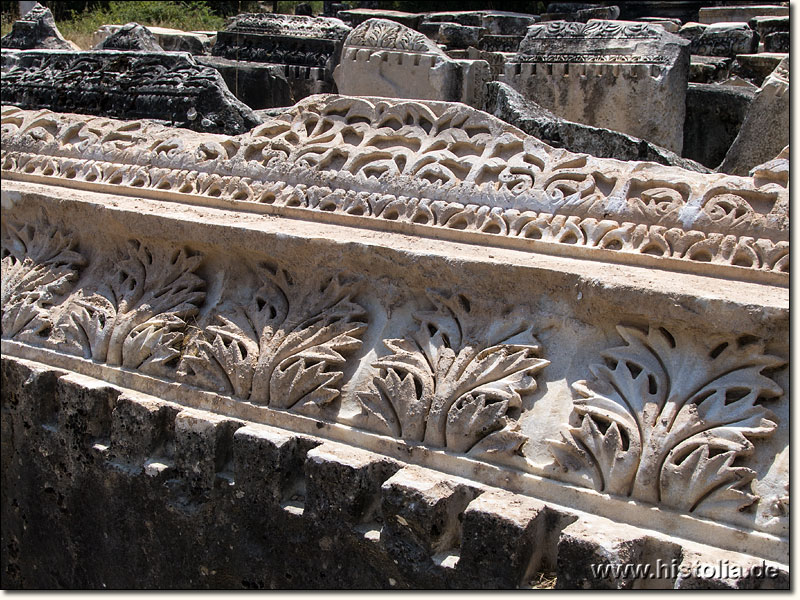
x,y
543,581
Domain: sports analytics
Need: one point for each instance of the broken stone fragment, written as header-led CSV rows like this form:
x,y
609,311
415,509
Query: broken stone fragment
x,y
725,39
131,36
36,29
504,102
766,127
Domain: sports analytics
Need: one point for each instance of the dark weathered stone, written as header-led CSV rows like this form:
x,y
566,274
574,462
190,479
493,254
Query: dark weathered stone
x,y
282,39
304,9
131,37
454,35
356,16
764,26
777,42
258,85
509,105
725,39
500,43
714,114
708,69
756,67
36,29
172,88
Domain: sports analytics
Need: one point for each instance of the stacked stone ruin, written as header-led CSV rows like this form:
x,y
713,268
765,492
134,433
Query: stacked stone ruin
x,y
392,300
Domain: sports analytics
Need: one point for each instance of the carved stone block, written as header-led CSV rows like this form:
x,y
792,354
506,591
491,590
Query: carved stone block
x,y
580,71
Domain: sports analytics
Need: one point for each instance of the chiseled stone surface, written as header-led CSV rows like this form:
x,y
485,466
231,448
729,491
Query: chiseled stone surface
x,y
365,315
725,39
172,88
625,76
729,14
766,127
36,29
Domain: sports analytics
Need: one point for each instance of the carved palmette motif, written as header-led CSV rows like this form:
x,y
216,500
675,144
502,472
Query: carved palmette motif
x,y
135,315
380,33
456,382
40,265
666,420
285,348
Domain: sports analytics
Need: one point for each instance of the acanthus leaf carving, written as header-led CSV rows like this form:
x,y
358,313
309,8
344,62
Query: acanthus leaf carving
x,y
456,383
285,349
40,265
664,419
136,316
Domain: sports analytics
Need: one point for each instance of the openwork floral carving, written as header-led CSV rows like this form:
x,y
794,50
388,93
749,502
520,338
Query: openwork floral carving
x,y
456,382
380,33
136,316
665,420
40,265
285,348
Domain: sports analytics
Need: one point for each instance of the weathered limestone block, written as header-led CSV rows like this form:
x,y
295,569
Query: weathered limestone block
x,y
625,76
500,43
420,282
131,37
729,14
505,103
725,39
454,35
766,127
714,115
669,25
36,29
709,69
171,40
765,26
383,58
281,39
172,88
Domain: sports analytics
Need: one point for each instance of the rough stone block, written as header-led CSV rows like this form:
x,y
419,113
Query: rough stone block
x,y
422,513
204,449
777,42
85,407
356,16
765,130
642,93
36,29
756,67
709,69
258,85
130,37
459,36
725,39
268,464
729,14
584,546
143,430
343,484
714,115
501,539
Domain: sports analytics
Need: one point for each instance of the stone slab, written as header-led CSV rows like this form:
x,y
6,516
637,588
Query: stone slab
x,y
725,39
258,85
756,67
580,71
728,14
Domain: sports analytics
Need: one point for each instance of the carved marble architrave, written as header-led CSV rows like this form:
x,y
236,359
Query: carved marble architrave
x,y
425,281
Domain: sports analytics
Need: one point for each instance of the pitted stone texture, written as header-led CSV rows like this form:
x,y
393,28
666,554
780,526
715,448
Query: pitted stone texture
x,y
387,59
714,115
344,483
204,449
624,76
725,39
584,545
422,513
766,127
268,465
777,42
172,88
502,539
143,431
506,103
131,37
36,29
